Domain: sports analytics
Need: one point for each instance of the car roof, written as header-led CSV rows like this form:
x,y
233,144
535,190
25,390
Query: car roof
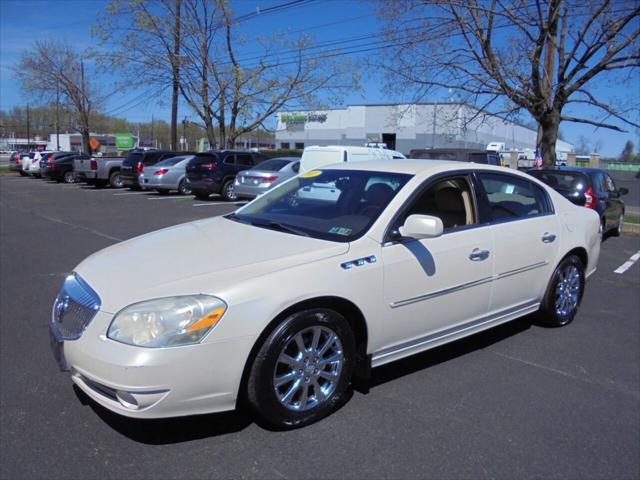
x,y
572,169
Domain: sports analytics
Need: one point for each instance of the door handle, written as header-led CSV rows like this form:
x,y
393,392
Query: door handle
x,y
478,255
548,237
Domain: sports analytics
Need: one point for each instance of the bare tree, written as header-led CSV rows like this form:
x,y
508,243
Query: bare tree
x,y
584,145
50,67
540,56
239,93
627,152
141,39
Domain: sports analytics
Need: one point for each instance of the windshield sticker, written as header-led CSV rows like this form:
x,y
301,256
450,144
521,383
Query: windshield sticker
x,y
311,174
341,231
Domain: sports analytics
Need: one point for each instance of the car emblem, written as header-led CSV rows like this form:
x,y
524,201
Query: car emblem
x,y
62,305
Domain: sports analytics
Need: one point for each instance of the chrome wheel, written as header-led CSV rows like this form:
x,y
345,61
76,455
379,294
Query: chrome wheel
x,y
69,177
308,368
230,192
567,291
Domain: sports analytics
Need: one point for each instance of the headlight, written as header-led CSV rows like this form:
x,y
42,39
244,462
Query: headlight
x,y
167,322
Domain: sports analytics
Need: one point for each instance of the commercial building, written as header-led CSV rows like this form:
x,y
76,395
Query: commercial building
x,y
404,127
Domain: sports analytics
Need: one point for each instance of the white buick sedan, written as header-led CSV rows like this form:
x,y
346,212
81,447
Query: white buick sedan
x,y
287,302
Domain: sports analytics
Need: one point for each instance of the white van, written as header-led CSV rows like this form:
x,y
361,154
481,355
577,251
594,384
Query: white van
x,y
316,157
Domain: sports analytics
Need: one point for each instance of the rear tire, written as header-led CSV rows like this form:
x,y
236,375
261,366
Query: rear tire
x,y
564,293
182,188
303,369
69,177
23,174
115,180
228,192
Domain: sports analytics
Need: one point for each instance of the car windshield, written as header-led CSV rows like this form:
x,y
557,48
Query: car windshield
x,y
337,205
272,165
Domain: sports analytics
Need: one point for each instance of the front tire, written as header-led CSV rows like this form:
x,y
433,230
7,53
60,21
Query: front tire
x,y
115,180
182,188
564,293
303,369
69,177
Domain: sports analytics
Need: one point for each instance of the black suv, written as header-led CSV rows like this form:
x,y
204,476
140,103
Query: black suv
x,y
591,188
137,160
215,172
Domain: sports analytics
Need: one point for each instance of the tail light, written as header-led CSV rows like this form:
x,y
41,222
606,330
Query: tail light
x,y
162,171
590,198
210,166
49,157
139,167
270,179
94,164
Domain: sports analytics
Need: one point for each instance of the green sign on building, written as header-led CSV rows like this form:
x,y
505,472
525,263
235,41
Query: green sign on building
x,y
124,141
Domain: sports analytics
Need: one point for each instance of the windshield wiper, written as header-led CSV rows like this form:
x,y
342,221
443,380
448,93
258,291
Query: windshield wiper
x,y
283,227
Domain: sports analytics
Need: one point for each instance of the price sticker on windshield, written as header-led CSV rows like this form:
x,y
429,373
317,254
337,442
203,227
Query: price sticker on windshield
x,y
311,174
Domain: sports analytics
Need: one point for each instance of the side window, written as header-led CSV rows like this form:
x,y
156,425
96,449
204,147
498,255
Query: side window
x,y
244,159
230,159
296,167
611,187
284,145
511,197
299,146
449,199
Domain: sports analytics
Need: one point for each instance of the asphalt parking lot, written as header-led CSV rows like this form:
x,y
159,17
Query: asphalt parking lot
x,y
519,401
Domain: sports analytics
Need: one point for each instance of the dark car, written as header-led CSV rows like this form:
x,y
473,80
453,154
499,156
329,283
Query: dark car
x,y
61,169
48,159
456,154
137,160
215,172
589,187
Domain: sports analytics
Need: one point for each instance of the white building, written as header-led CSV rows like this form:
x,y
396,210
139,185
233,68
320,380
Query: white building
x,y
404,127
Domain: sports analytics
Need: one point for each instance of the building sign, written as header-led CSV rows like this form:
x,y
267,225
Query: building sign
x,y
303,118
124,140
94,143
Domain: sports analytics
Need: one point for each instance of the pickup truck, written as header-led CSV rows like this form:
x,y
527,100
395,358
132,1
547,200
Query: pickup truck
x,y
99,171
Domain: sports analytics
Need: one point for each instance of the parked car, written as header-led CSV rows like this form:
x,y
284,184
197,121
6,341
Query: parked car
x,y
15,163
282,304
457,154
61,169
138,160
215,172
167,175
317,157
33,166
49,158
266,175
589,187
99,171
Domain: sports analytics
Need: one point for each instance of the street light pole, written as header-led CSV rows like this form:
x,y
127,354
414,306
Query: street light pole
x,y
57,115
28,132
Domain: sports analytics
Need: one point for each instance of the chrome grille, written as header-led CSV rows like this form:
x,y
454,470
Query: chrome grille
x,y
74,307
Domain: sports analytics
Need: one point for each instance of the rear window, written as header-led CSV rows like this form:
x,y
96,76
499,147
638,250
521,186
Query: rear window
x,y
573,181
203,159
172,161
272,165
426,155
133,158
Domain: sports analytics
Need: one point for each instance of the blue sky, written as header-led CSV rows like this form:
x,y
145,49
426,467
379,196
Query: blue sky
x,y
24,21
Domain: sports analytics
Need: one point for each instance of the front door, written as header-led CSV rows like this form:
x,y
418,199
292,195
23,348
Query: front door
x,y
436,285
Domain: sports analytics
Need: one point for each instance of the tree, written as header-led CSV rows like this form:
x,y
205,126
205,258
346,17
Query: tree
x,y
142,40
55,68
627,152
234,94
584,145
538,56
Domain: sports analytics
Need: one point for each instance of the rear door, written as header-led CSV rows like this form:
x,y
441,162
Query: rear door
x,y
525,230
201,166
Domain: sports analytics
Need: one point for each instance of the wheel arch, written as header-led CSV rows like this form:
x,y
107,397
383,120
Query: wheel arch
x,y
346,308
579,252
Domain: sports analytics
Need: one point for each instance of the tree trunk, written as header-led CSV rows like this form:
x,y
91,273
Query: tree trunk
x,y
86,141
549,123
176,79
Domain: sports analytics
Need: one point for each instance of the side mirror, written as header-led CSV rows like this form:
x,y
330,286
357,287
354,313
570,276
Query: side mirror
x,y
421,226
623,191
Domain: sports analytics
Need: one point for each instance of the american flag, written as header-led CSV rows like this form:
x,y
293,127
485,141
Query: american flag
x,y
538,161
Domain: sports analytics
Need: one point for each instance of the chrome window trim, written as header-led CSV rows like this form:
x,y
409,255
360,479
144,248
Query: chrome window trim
x,y
433,337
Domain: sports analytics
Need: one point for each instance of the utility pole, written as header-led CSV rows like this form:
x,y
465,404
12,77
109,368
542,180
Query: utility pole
x,y
57,115
152,137
433,130
184,135
28,132
176,78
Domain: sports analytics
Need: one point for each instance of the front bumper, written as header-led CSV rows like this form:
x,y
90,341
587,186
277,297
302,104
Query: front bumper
x,y
143,382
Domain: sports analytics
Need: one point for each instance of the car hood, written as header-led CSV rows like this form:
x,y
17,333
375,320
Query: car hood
x,y
204,256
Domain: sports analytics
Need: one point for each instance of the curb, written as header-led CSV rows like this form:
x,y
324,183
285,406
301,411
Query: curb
x,y
631,228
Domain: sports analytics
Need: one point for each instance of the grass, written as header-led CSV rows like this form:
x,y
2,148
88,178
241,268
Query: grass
x,y
4,170
631,218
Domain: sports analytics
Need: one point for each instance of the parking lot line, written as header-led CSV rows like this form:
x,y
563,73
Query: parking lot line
x,y
210,204
179,197
627,265
132,193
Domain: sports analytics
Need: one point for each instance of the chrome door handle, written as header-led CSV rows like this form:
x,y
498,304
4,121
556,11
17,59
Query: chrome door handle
x,y
548,237
478,255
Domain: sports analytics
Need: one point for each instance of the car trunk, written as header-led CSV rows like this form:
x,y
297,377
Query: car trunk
x,y
201,166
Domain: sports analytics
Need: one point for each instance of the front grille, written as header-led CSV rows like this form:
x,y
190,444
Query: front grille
x,y
74,308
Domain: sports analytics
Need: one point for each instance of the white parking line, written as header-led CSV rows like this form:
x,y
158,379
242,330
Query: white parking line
x,y
166,198
627,265
210,204
131,193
